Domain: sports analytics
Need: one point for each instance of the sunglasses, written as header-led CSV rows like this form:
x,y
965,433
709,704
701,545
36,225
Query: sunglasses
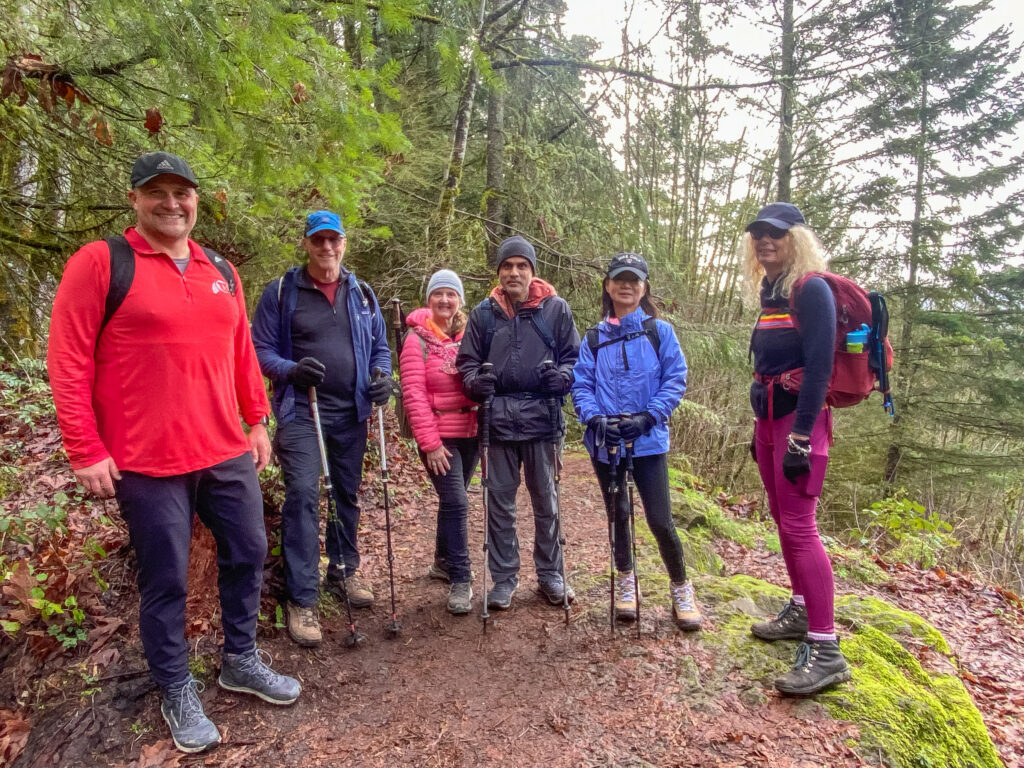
x,y
757,233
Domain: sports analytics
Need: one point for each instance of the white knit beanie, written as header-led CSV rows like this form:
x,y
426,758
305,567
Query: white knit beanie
x,y
445,278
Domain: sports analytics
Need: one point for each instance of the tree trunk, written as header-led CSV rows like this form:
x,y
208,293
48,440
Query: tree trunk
x,y
495,194
787,87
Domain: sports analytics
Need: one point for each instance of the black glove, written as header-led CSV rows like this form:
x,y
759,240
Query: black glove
x,y
551,381
308,372
483,385
796,463
753,448
612,436
635,425
381,390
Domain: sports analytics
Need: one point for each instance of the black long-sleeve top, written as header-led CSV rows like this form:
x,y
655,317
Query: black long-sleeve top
x,y
783,343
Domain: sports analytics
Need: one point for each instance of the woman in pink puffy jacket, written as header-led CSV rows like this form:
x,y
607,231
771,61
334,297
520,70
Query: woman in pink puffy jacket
x,y
443,422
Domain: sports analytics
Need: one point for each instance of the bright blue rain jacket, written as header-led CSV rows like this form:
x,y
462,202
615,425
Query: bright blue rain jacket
x,y
629,377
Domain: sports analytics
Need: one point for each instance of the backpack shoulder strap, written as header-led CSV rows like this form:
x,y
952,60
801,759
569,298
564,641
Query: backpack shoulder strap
x,y
487,320
651,329
593,339
368,295
541,326
122,273
224,267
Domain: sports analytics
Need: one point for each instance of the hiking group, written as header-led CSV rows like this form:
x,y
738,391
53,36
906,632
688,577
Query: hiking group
x,y
153,367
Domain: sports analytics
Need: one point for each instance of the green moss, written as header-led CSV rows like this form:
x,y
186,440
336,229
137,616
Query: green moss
x,y
858,612
919,719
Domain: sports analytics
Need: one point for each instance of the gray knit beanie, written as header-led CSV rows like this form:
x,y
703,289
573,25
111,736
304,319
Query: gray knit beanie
x,y
517,246
445,278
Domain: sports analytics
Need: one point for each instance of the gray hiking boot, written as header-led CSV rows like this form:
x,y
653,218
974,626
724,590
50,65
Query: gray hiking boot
x,y
500,596
790,624
249,673
191,729
460,598
819,664
552,589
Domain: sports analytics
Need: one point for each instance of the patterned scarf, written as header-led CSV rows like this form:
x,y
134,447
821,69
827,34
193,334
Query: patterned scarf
x,y
440,344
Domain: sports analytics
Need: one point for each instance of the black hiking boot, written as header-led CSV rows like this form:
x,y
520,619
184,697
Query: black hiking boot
x,y
819,664
790,624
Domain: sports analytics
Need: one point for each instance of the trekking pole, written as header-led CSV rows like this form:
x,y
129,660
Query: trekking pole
x,y
354,638
485,444
613,498
396,326
630,482
394,628
556,455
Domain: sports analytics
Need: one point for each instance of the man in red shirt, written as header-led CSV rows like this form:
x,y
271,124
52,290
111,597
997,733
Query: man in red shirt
x,y
148,397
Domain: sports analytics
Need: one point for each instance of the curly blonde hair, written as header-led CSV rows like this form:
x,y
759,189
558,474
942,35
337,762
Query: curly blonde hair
x,y
806,255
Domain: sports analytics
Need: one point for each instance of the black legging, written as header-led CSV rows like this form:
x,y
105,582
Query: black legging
x,y
651,475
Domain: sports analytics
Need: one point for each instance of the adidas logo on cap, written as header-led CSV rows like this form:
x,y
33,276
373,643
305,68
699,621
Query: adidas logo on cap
x,y
165,165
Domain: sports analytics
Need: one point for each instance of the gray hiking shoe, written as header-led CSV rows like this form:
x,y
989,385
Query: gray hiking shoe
x,y
500,596
819,664
460,598
191,729
552,589
790,624
249,673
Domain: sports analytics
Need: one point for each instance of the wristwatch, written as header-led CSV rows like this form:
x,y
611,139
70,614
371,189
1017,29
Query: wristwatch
x,y
264,420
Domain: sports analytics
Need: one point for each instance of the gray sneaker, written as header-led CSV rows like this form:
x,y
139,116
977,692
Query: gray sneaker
x,y
191,729
460,598
500,596
553,591
249,673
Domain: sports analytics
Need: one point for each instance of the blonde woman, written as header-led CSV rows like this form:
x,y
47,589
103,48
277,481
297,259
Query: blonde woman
x,y
795,333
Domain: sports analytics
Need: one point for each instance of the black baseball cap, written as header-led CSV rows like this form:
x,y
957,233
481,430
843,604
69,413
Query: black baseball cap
x,y
628,262
154,164
781,215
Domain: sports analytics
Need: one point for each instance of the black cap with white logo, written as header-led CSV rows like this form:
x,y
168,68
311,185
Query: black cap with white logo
x,y
156,163
628,262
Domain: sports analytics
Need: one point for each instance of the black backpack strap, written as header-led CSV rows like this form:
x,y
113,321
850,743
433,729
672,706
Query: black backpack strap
x,y
488,322
368,295
540,325
122,273
593,337
650,330
224,267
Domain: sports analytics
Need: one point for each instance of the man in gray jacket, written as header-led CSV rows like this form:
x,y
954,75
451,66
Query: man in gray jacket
x,y
521,326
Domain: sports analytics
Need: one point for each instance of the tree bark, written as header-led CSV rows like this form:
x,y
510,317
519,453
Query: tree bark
x,y
787,87
495,193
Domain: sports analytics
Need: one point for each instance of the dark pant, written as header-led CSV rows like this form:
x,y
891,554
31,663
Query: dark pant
x,y
296,446
651,476
452,544
159,510
503,476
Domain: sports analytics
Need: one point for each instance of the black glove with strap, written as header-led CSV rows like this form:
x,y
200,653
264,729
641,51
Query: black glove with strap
x,y
308,372
381,390
483,386
551,381
633,426
797,461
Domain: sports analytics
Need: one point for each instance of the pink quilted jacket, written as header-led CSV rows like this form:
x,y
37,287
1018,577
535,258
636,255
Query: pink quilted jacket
x,y
431,386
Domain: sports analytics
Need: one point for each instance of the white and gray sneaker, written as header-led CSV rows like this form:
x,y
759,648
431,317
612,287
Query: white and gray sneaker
x,y
191,729
460,598
249,673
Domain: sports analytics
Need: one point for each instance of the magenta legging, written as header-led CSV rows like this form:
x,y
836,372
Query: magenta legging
x,y
793,506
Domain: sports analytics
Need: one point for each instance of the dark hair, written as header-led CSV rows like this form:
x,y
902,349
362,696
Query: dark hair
x,y
646,302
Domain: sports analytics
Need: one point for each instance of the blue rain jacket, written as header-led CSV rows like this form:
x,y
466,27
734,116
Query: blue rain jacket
x,y
629,377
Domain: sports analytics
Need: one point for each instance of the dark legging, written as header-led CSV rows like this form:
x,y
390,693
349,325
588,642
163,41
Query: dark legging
x,y
452,543
651,475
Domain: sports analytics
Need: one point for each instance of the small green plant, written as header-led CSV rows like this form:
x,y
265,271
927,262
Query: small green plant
x,y
65,622
906,531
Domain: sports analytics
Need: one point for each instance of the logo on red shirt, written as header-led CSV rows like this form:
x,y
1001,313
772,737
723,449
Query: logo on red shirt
x,y
220,286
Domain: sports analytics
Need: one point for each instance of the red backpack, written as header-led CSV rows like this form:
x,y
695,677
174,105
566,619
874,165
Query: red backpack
x,y
855,375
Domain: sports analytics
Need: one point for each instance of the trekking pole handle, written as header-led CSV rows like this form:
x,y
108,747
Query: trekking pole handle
x,y
553,406
485,421
396,313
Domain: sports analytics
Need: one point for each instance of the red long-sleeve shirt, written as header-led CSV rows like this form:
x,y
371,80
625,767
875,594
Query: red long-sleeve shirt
x,y
162,390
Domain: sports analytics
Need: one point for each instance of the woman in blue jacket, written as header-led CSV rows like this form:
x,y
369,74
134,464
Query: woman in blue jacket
x,y
630,376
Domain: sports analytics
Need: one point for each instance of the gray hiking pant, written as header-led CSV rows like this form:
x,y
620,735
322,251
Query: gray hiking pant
x,y
503,477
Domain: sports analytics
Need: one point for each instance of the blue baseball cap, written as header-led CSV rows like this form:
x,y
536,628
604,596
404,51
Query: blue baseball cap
x,y
318,221
781,215
628,262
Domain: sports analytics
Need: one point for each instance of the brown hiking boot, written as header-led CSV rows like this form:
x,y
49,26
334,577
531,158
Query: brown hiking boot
x,y
359,593
627,591
684,606
303,625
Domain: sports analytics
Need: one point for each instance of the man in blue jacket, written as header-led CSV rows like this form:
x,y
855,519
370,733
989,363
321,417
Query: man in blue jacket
x,y
318,326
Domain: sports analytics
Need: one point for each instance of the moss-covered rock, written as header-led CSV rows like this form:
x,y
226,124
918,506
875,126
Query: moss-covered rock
x,y
916,717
